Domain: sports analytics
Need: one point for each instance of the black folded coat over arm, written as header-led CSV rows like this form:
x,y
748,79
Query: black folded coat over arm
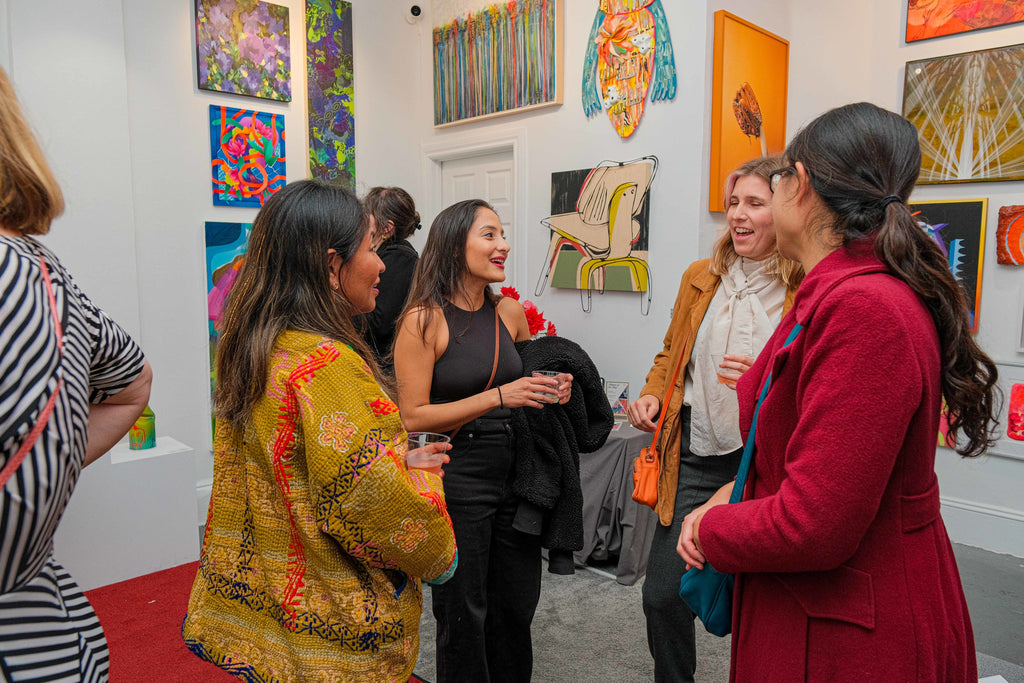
x,y
548,441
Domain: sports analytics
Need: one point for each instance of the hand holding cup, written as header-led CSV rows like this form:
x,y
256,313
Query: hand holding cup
x,y
428,451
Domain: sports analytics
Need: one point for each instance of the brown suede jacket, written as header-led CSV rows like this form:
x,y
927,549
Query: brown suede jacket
x,y
696,290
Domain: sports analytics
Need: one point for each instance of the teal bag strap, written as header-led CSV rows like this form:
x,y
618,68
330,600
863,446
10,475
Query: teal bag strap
x,y
749,448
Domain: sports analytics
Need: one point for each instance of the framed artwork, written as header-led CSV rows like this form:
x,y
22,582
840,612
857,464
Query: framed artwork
x,y
247,161
934,18
600,229
329,89
242,47
226,244
748,98
958,227
629,56
1010,443
617,394
969,113
1010,236
493,58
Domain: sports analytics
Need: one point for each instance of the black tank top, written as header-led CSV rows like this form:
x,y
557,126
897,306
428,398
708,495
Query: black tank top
x,y
463,368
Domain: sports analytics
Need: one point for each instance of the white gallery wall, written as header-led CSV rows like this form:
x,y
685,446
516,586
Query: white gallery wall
x,y
110,87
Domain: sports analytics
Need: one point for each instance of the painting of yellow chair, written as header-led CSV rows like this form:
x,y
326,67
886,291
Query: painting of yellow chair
x,y
600,230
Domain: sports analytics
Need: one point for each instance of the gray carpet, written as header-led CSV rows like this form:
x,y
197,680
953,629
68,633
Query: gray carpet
x,y
589,628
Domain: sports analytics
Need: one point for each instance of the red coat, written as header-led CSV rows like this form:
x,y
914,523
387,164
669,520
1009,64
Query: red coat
x,y
845,570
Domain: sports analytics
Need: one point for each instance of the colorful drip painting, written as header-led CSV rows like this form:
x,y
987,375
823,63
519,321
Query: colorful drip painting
x,y
958,227
600,229
329,85
225,252
969,113
1010,236
495,58
1015,417
748,98
242,47
247,156
629,56
944,437
934,18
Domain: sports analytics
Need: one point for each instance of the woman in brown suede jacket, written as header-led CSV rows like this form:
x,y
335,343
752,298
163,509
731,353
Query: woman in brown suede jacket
x,y
727,308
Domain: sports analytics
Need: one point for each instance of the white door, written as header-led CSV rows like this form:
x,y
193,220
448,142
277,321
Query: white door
x,y
489,177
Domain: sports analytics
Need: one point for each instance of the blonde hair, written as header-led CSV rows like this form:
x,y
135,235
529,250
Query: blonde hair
x,y
30,197
724,253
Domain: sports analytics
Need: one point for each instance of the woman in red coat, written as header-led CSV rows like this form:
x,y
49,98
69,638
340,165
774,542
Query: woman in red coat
x,y
844,568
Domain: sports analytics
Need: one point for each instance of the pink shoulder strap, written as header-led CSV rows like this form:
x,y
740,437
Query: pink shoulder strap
x,y
44,416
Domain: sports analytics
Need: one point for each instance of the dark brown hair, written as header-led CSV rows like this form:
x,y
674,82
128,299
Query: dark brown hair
x,y
442,267
395,205
857,158
284,284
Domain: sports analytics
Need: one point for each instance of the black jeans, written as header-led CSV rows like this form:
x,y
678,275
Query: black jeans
x,y
670,623
485,610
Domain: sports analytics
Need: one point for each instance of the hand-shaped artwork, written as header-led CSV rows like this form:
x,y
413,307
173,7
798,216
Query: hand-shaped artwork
x,y
629,53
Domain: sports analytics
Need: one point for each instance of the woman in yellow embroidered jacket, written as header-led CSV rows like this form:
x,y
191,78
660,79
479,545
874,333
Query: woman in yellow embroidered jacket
x,y
318,533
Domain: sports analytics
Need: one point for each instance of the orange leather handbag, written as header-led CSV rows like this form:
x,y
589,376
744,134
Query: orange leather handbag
x,y
648,464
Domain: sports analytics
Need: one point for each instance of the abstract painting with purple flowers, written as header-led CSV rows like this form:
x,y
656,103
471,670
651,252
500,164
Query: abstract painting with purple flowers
x,y
332,135
242,47
247,158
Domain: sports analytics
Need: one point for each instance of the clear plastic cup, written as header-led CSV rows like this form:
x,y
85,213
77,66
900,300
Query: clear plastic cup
x,y
553,374
423,455
726,376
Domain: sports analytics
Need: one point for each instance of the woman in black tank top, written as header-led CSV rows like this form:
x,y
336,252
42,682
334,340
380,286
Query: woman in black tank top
x,y
451,380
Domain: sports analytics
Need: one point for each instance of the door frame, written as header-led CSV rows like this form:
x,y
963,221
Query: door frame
x,y
491,141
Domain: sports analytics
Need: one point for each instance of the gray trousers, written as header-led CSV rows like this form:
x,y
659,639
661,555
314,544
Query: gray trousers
x,y
670,623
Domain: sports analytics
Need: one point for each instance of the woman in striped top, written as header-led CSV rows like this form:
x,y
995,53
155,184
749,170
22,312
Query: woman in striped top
x,y
70,372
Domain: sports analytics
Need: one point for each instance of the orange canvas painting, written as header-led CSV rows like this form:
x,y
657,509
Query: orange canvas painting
x,y
1015,418
1010,236
934,18
748,98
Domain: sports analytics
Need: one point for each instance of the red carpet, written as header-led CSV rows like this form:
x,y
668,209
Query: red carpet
x,y
142,620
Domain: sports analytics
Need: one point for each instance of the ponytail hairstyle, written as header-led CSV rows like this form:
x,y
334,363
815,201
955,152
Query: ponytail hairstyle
x,y
723,253
863,161
284,284
394,205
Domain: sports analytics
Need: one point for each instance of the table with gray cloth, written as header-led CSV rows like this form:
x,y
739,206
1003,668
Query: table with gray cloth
x,y
613,523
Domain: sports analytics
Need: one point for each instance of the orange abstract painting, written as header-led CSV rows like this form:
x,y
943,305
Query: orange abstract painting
x,y
1015,420
1010,236
934,18
748,98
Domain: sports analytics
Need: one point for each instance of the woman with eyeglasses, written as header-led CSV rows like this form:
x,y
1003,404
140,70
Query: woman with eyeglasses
x,y
727,308
844,570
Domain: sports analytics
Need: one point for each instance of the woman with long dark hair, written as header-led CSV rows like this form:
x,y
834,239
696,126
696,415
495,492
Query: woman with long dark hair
x,y
844,568
318,532
459,372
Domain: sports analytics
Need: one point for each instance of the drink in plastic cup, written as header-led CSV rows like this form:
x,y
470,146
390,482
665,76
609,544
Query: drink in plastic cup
x,y
553,375
419,457
725,375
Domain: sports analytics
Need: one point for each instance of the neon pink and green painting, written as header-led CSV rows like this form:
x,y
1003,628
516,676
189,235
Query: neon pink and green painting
x,y
226,244
332,135
247,159
242,47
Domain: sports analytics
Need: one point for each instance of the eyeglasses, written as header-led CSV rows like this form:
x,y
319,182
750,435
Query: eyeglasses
x,y
776,176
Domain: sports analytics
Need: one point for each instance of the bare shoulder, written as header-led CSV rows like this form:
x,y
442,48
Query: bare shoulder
x,y
514,317
427,325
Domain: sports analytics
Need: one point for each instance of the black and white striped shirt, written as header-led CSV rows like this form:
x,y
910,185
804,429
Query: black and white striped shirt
x,y
47,629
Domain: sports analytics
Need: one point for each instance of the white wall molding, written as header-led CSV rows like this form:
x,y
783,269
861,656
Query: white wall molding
x,y
992,527
478,143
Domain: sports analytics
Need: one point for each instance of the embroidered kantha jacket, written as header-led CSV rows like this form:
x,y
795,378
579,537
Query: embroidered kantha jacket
x,y
317,535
